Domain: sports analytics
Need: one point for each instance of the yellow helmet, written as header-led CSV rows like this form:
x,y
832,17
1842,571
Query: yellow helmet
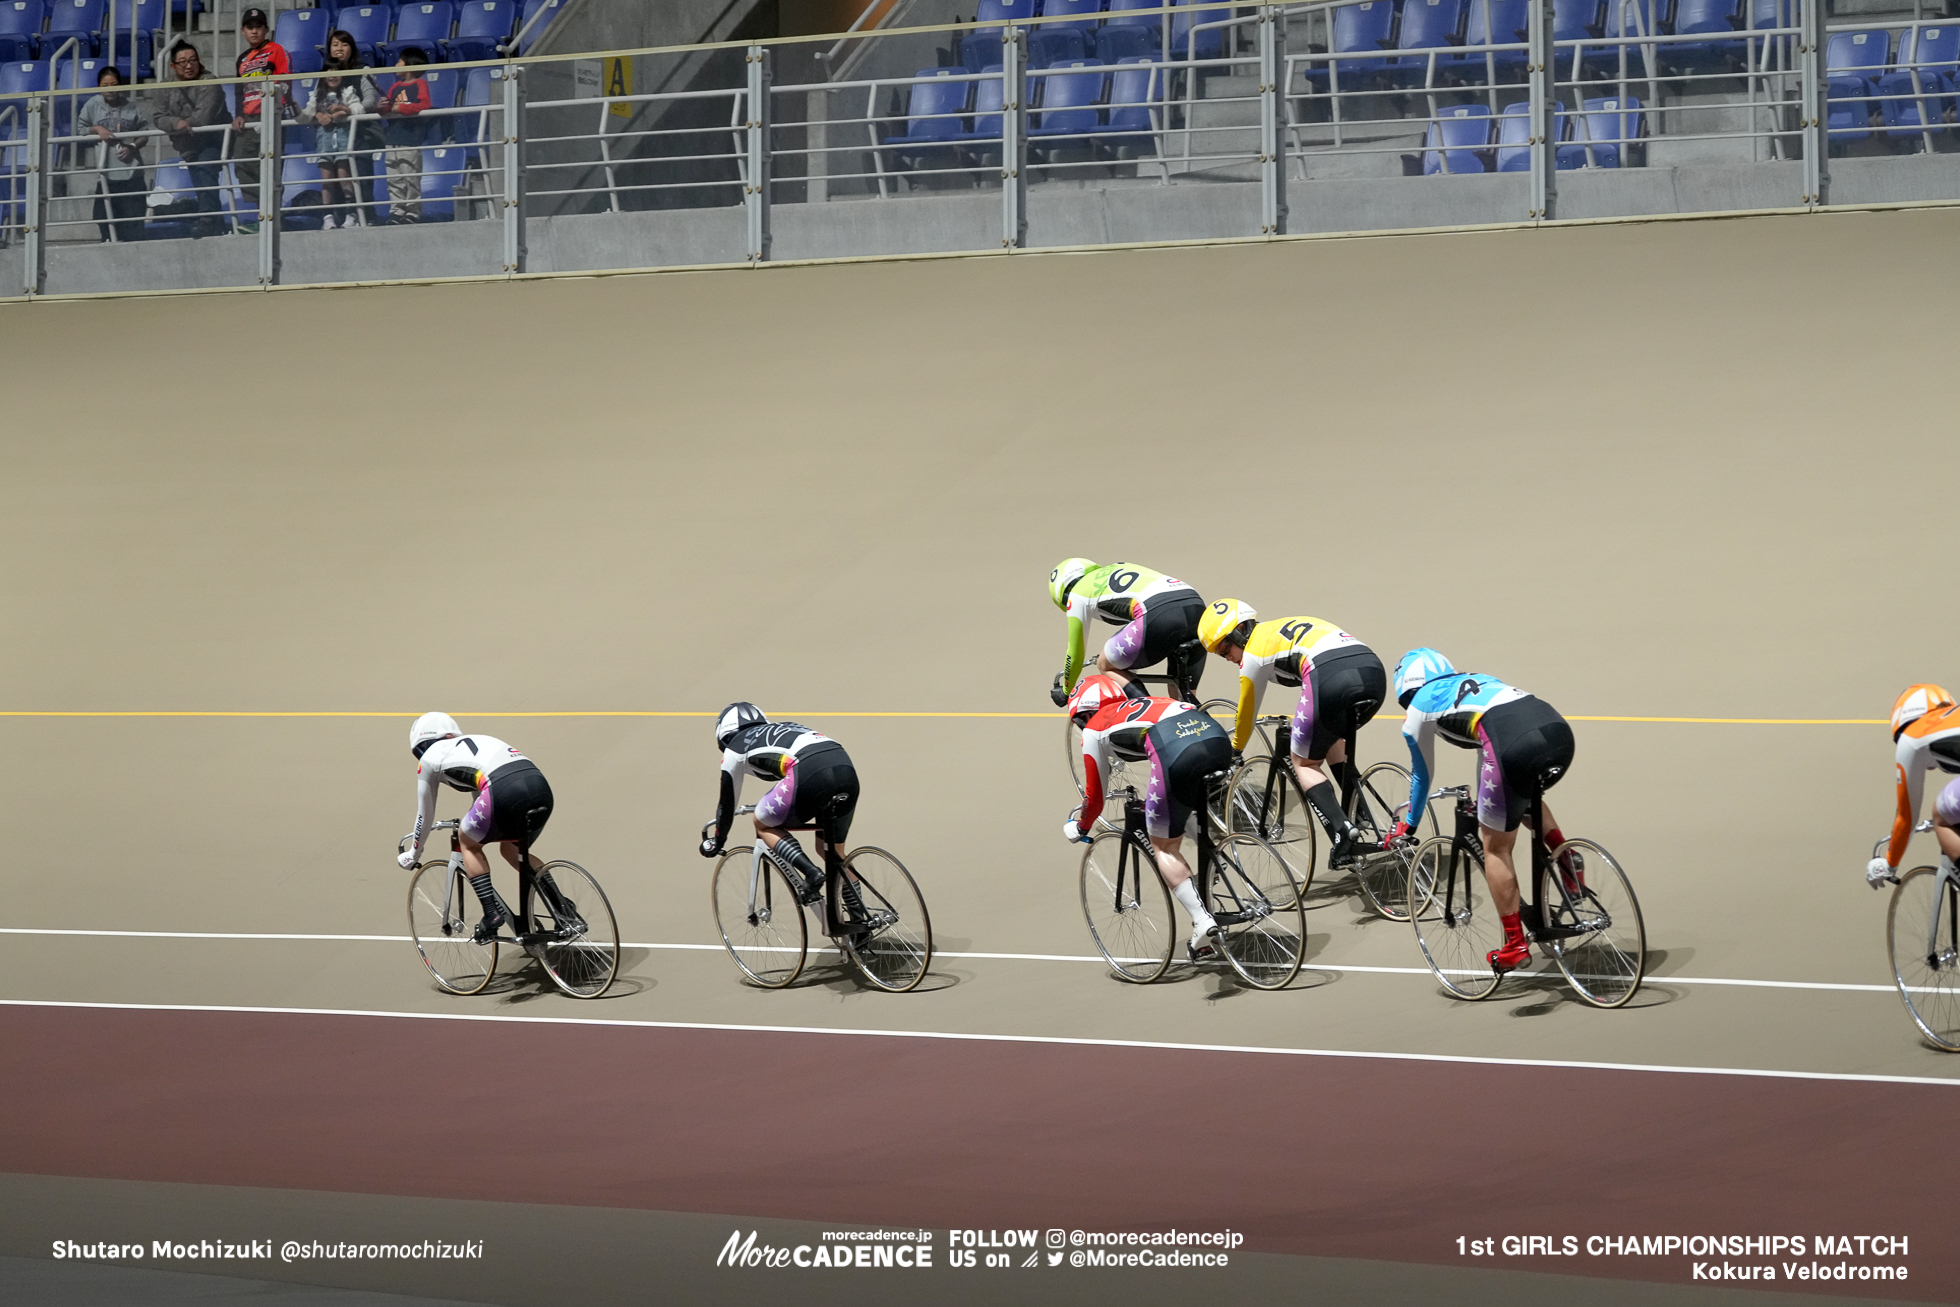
x,y
1223,620
1066,574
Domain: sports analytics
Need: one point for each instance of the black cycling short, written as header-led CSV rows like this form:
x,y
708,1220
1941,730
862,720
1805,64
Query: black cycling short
x,y
821,776
1183,750
1527,747
1169,620
1342,694
513,805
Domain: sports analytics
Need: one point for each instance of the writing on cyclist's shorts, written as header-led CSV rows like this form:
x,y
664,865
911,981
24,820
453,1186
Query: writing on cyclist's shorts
x,y
879,1250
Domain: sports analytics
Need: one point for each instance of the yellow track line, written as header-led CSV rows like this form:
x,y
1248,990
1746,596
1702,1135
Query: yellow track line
x,y
190,712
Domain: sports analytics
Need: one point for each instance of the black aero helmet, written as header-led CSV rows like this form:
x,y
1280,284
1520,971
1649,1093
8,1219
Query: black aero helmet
x,y
734,719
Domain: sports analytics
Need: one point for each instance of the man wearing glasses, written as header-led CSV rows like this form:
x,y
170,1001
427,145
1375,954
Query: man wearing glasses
x,y
183,106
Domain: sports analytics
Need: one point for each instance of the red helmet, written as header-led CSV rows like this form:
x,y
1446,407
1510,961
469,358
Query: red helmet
x,y
1091,694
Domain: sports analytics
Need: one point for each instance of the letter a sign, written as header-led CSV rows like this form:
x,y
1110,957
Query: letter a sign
x,y
619,81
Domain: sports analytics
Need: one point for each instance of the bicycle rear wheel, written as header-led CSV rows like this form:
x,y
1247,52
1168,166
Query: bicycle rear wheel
x,y
895,952
577,939
1121,773
1459,927
1604,965
1922,933
768,939
438,903
1128,907
1250,879
1263,802
1380,799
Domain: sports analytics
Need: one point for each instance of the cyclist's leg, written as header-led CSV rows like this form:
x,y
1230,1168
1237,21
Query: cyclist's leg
x,y
476,828
1165,819
1946,821
1336,697
1499,811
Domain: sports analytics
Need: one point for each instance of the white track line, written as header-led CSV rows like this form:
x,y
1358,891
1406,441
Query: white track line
x,y
941,953
999,1039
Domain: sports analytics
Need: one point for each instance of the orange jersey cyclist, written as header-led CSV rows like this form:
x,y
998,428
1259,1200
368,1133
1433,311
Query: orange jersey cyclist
x,y
1183,747
1526,747
1159,616
1926,733
814,784
1342,684
511,805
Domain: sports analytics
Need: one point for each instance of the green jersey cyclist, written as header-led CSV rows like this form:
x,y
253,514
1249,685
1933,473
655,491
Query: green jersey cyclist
x,y
1158,615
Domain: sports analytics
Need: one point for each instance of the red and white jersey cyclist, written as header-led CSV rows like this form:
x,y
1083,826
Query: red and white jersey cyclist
x,y
1926,734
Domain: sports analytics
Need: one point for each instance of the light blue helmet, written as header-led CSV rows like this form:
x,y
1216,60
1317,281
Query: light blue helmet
x,y
1418,668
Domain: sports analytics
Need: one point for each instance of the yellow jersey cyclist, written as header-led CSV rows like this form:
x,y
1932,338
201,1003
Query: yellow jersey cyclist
x,y
1159,616
1525,746
814,784
1342,684
511,806
1926,733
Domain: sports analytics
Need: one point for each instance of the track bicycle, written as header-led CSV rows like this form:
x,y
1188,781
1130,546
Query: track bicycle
x,y
881,919
1589,919
1242,881
1264,798
1922,935
563,919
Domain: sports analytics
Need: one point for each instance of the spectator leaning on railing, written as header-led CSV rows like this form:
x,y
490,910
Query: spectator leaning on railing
x,y
338,95
108,114
402,108
368,143
262,57
182,106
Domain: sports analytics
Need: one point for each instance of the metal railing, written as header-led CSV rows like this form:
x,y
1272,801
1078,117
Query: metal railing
x,y
1233,98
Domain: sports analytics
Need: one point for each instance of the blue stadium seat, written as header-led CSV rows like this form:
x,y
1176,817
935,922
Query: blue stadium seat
x,y
149,16
444,171
989,94
73,74
1627,21
1853,64
1572,20
1071,103
1491,22
978,50
303,33
1609,127
1458,136
1514,136
536,16
80,20
995,11
1133,89
483,86
1143,14
299,138
298,176
1046,48
1083,15
445,92
482,27
1427,26
1361,32
424,24
369,25
171,178
1210,43
25,75
935,117
1120,41
1717,19
21,22
1930,53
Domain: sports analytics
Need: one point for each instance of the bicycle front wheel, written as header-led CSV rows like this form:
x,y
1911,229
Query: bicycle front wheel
x,y
894,949
439,900
1122,774
761,922
1380,799
1604,965
1128,907
1922,932
1263,802
575,936
1459,928
1257,901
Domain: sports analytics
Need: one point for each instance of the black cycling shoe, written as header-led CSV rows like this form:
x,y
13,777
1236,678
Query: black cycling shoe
x,y
1348,851
486,929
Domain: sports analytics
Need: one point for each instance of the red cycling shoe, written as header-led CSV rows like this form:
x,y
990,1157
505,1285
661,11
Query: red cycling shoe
x,y
1515,953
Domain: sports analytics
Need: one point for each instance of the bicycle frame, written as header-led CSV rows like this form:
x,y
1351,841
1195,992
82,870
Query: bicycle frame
x,y
1565,921
835,872
1347,773
1948,890
526,886
1137,840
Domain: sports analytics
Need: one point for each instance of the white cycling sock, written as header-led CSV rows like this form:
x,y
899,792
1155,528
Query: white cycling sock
x,y
1187,894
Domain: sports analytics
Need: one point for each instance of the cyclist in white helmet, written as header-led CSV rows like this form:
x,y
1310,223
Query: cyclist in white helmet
x,y
512,804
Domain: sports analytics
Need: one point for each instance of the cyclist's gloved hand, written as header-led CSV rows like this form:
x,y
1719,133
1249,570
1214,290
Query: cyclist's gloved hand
x,y
1058,692
710,847
407,858
1073,833
1879,872
1400,833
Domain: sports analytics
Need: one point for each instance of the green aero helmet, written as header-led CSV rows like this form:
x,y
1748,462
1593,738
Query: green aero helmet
x,y
1065,575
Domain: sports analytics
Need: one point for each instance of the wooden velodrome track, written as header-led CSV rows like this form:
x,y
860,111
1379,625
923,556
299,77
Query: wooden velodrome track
x,y
1661,471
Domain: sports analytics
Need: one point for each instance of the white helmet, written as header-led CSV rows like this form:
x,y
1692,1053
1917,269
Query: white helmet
x,y
430,727
736,718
